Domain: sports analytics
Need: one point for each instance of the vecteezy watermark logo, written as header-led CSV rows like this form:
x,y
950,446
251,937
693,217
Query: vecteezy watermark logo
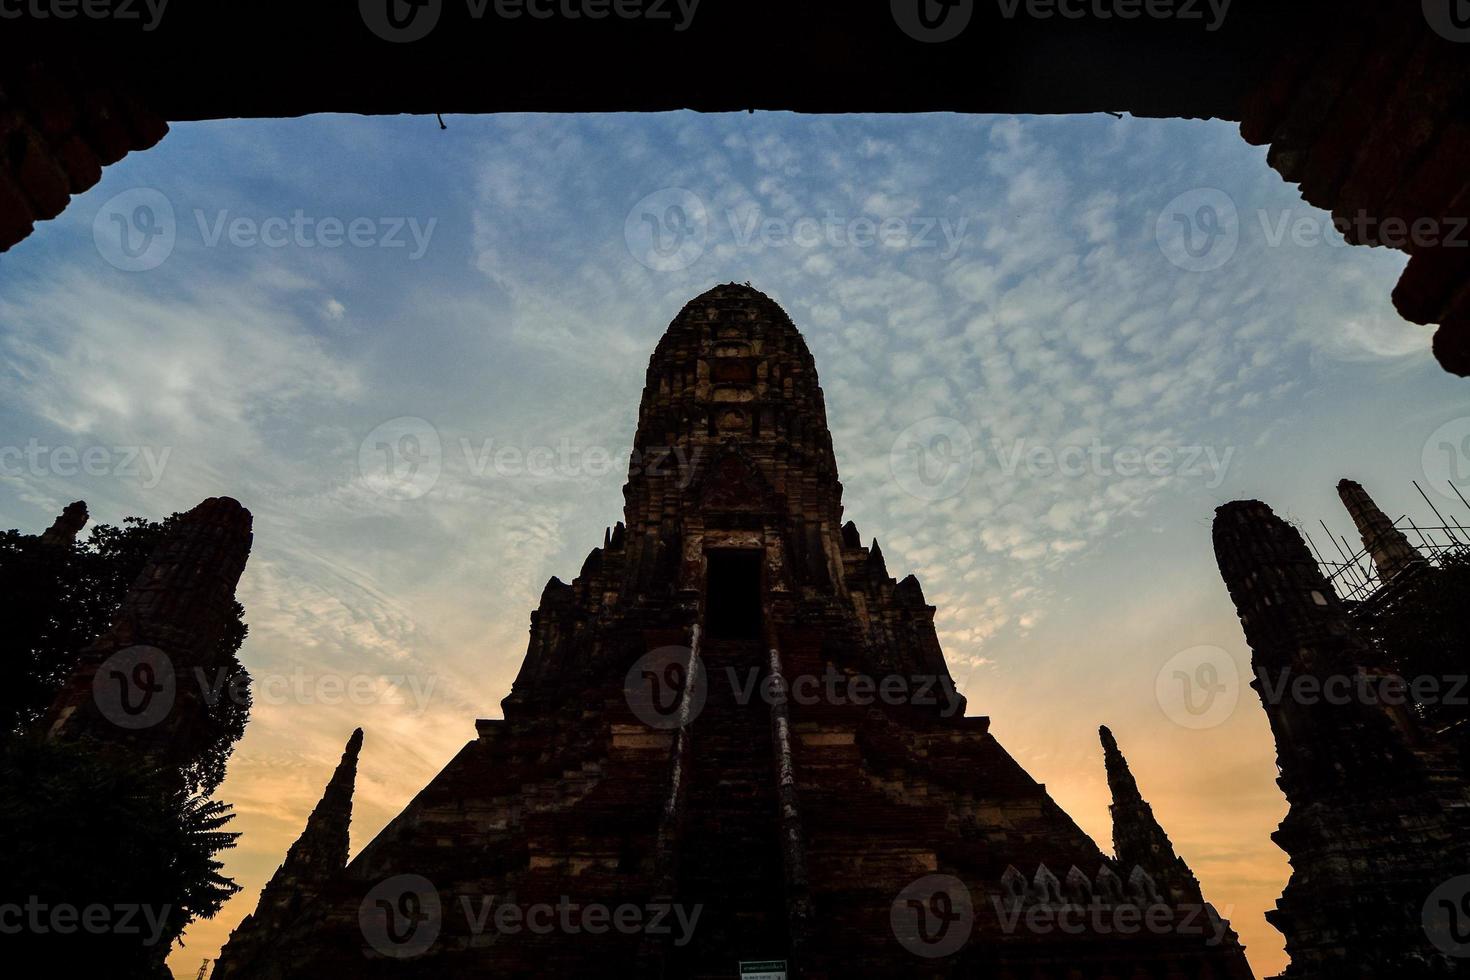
x,y
751,227
40,918
1199,230
1446,917
1361,687
148,12
141,462
505,916
1446,456
401,916
1311,229
136,230
933,916
401,21
299,687
303,230
404,21
1449,18
933,21
569,460
658,685
1199,687
135,687
667,231
1105,10
402,458
933,458
839,687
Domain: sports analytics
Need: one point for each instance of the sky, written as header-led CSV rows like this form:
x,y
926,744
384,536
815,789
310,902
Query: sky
x,y
1100,329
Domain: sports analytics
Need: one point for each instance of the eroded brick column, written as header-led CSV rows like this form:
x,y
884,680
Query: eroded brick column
x,y
66,527
1369,835
144,682
59,127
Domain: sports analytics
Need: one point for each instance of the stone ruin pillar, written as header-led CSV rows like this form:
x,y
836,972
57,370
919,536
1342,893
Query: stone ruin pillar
x,y
144,682
67,526
1369,833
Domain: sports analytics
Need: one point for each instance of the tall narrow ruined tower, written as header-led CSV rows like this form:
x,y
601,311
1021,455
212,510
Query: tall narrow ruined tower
x,y
735,730
1374,825
1385,543
139,683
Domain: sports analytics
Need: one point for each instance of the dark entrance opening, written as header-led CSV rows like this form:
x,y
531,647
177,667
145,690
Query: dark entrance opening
x,y
732,595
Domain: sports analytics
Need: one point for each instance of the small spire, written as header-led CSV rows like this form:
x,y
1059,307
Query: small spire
x,y
318,855
1386,544
910,591
850,536
1138,840
1120,778
875,558
323,845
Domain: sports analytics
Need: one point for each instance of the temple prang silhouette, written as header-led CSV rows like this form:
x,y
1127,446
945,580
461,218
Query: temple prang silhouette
x,y
1379,814
137,685
655,753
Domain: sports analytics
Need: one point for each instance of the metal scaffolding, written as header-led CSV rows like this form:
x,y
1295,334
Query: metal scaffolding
x,y
1355,577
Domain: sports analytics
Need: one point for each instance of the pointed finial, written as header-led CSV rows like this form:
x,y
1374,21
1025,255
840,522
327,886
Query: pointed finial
x,y
1120,778
1385,543
311,865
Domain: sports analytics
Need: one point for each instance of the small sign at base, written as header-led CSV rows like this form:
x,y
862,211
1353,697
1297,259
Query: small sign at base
x,y
762,970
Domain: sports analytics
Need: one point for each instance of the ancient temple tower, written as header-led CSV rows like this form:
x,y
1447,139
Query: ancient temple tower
x,y
735,733
1388,546
138,683
1377,816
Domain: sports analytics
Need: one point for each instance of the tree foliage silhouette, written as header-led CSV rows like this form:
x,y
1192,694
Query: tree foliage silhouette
x,y
108,856
55,599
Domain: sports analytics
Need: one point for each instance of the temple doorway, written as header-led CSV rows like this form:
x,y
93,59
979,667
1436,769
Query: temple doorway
x,y
733,595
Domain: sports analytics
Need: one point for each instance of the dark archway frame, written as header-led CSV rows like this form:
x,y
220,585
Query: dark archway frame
x,y
1365,103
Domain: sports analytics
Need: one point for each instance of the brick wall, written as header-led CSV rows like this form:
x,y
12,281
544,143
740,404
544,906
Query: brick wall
x,y
59,126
